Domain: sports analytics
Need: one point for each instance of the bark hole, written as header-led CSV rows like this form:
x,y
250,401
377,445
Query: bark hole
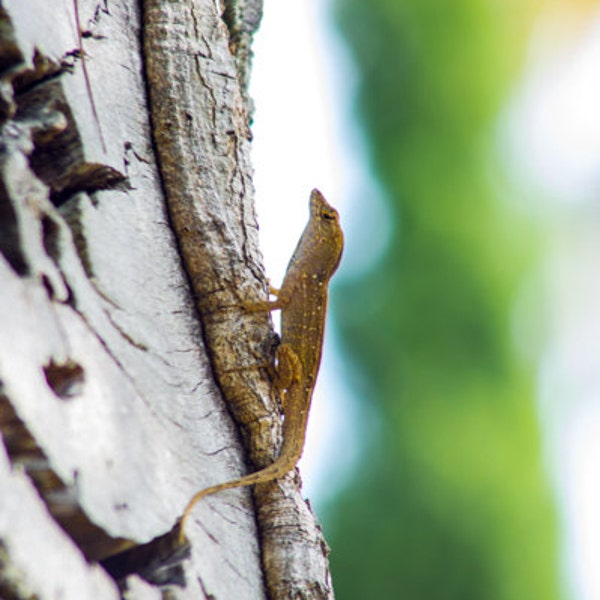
x,y
66,379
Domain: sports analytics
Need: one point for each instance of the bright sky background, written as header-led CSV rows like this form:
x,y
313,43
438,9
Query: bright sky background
x,y
304,137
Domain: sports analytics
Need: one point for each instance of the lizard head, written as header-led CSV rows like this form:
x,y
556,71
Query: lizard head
x,y
327,235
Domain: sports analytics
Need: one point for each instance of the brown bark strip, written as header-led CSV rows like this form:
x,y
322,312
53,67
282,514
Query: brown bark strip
x,y
201,137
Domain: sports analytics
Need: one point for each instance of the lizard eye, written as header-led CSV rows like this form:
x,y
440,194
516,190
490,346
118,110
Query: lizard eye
x,y
328,216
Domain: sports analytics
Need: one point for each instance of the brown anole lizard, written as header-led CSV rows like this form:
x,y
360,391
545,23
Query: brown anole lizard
x,y
302,300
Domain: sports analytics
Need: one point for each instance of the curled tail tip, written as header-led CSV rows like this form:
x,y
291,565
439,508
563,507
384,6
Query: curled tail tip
x,y
251,479
179,528
188,511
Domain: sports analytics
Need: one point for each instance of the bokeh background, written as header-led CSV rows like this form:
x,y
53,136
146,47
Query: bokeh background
x,y
454,442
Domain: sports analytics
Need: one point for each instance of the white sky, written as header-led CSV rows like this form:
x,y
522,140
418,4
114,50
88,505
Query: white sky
x,y
556,118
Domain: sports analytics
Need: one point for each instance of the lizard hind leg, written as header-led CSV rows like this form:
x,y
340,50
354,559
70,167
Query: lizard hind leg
x,y
288,371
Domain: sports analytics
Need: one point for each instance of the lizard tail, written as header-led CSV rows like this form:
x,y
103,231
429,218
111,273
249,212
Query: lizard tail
x,y
274,471
290,454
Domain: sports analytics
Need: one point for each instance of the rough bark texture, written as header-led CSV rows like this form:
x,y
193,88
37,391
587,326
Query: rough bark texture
x,y
110,414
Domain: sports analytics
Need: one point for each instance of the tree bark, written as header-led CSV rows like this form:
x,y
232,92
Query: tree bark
x,y
127,244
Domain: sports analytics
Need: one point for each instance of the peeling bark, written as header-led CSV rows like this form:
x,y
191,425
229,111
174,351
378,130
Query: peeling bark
x,y
124,352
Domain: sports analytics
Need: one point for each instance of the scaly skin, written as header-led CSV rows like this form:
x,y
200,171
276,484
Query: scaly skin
x,y
302,300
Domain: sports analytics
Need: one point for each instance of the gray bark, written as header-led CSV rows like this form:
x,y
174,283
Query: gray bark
x,y
121,359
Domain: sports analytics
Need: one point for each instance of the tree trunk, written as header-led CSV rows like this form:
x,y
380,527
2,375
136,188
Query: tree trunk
x,y
128,242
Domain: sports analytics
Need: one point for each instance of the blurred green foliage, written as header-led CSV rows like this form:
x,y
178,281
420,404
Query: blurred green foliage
x,y
451,501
